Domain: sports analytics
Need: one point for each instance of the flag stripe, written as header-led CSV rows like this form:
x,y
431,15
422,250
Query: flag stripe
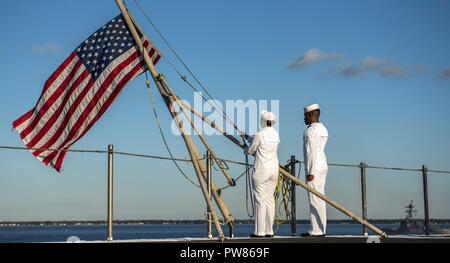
x,y
156,59
75,91
58,109
60,74
136,71
86,123
59,97
53,82
152,51
22,119
59,71
48,102
96,91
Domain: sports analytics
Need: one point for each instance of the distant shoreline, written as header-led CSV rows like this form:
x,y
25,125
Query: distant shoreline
x,y
186,222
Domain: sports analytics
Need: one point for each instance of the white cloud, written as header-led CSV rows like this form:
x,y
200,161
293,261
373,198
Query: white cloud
x,y
372,62
382,66
393,70
312,56
444,74
50,47
347,71
367,64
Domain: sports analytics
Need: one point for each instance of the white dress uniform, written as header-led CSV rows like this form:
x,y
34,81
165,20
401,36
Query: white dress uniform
x,y
314,140
265,174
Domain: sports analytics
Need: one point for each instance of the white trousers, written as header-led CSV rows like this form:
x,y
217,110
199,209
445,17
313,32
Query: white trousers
x,y
264,182
317,207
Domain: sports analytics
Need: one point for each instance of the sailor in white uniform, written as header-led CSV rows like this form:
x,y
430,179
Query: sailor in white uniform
x,y
314,140
264,147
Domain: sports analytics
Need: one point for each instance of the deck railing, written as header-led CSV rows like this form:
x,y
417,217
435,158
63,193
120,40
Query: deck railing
x,y
362,167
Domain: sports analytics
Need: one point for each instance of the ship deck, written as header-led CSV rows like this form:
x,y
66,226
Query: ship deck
x,y
296,239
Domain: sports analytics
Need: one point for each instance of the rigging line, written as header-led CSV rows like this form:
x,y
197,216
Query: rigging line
x,y
219,110
173,67
239,177
233,162
147,82
168,44
248,190
222,165
178,57
282,198
183,77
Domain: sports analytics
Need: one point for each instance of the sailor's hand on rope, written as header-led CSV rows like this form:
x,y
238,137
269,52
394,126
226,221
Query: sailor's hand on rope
x,y
232,182
246,150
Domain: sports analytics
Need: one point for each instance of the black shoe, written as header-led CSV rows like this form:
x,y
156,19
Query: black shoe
x,y
309,235
255,236
269,236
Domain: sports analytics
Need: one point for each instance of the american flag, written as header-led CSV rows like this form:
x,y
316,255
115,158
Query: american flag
x,y
81,89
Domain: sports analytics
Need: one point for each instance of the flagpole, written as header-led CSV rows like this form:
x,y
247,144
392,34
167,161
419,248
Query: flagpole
x,y
110,191
193,152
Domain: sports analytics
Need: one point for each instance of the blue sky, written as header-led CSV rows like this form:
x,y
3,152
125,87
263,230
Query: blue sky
x,y
380,70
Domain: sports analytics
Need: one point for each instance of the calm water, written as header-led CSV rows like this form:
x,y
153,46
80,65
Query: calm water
x,y
21,234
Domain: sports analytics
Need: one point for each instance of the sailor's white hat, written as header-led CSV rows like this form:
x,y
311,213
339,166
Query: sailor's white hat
x,y
311,107
268,116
